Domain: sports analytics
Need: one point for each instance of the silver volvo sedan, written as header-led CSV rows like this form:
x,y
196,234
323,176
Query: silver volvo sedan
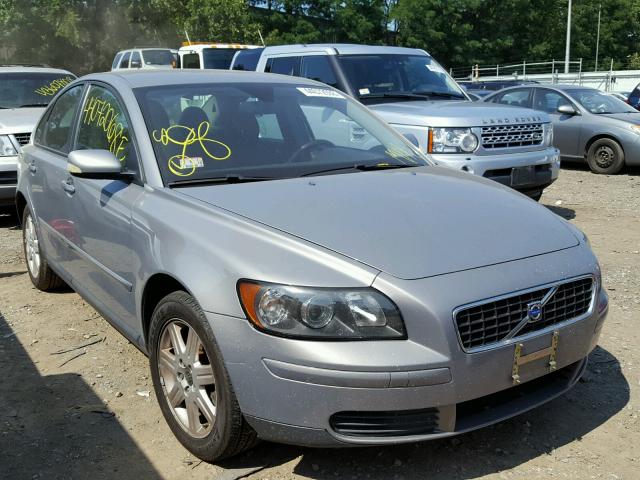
x,y
294,269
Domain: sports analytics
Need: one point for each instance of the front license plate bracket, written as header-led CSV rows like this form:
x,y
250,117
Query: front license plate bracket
x,y
521,176
519,359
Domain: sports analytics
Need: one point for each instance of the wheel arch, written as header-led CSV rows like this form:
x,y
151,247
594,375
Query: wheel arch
x,y
21,204
158,286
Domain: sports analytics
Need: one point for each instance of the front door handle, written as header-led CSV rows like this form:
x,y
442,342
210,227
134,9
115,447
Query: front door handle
x,y
67,186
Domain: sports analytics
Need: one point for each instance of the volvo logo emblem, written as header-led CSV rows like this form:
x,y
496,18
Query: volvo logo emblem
x,y
534,311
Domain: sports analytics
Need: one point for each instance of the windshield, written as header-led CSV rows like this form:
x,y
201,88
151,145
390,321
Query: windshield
x,y
218,57
373,76
265,131
158,57
599,102
23,89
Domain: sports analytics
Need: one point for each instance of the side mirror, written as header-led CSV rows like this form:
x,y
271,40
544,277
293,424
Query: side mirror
x,y
567,109
412,138
94,164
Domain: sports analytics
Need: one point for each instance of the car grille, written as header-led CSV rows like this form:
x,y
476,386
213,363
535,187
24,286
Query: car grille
x,y
22,138
386,424
491,322
508,136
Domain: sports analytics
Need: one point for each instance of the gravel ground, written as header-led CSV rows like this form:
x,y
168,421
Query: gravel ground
x,y
95,415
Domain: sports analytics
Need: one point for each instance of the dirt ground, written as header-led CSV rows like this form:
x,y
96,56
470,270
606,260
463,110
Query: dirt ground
x,y
96,416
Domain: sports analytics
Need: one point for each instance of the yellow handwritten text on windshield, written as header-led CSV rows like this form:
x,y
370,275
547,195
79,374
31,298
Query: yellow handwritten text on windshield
x,y
101,114
184,137
53,87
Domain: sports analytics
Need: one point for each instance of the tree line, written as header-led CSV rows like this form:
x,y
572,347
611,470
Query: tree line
x,y
84,35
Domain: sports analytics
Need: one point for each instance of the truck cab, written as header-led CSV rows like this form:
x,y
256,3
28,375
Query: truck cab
x,y
209,55
411,91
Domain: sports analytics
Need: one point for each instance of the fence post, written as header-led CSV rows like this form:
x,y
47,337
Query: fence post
x,y
497,70
524,69
580,72
553,66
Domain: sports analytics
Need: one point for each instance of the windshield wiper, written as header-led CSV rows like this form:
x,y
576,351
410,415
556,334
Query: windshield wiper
x,y
27,105
361,167
217,180
441,94
407,95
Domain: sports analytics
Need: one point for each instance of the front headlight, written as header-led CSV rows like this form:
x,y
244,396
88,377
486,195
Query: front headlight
x,y
6,147
452,140
321,313
548,134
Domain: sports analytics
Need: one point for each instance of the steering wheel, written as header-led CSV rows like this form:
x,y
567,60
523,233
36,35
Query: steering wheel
x,y
307,148
601,108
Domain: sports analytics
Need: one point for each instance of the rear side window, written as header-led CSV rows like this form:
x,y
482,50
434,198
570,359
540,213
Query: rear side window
x,y
55,131
124,61
284,65
191,60
104,126
520,97
116,61
317,67
247,59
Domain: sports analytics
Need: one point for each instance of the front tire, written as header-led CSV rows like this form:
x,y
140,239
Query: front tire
x,y
605,156
191,382
42,277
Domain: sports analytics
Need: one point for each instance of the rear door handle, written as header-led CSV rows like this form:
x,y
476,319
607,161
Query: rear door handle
x,y
67,186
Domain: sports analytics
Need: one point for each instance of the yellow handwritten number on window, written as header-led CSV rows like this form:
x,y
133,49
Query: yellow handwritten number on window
x,y
177,164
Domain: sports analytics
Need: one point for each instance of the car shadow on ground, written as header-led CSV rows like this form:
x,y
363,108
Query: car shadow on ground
x,y
633,171
54,426
8,219
601,393
566,213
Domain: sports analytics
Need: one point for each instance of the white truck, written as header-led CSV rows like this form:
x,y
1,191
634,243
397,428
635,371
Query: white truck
x,y
25,92
414,94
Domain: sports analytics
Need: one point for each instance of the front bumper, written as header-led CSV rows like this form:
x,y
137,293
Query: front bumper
x,y
8,180
499,167
302,392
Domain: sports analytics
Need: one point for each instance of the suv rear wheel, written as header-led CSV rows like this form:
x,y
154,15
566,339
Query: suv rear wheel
x,y
605,156
191,382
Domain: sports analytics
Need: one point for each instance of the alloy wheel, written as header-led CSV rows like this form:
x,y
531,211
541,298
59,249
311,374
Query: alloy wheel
x,y
32,247
187,378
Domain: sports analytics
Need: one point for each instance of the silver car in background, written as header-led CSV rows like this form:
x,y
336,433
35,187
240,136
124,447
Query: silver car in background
x,y
589,125
291,282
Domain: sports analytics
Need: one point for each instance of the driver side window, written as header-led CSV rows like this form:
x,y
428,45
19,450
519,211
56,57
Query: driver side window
x,y
104,126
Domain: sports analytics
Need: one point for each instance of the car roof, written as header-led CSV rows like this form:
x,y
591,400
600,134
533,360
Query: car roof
x,y
557,86
196,47
31,69
344,49
151,78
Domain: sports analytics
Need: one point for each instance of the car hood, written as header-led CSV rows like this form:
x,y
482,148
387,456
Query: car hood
x,y
454,113
630,117
19,120
409,223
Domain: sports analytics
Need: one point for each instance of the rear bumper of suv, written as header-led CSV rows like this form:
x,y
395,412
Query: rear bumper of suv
x,y
8,181
545,167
